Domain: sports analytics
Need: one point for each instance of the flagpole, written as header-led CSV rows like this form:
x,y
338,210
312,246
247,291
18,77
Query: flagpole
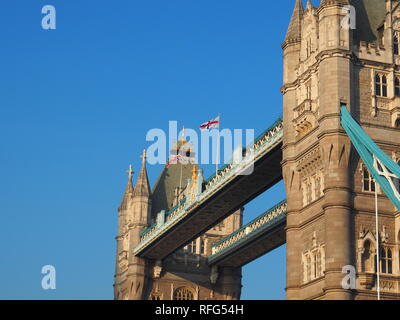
x,y
178,156
377,242
218,145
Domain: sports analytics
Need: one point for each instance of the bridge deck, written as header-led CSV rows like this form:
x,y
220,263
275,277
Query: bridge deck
x,y
223,195
260,236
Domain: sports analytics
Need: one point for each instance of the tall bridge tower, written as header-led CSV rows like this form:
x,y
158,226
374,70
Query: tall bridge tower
x,y
331,196
185,274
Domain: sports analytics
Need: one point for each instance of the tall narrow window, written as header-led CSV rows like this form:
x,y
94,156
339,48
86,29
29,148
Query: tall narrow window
x,y
202,247
309,47
308,268
368,181
319,264
381,85
397,87
308,90
309,193
378,90
317,187
315,265
396,44
384,86
389,261
383,261
194,247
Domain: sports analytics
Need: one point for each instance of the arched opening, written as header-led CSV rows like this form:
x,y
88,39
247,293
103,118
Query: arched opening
x,y
397,123
183,294
395,44
366,258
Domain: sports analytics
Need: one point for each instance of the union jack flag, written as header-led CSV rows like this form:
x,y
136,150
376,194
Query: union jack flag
x,y
179,158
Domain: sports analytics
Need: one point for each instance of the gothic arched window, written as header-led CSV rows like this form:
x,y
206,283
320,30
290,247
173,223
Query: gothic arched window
x,y
183,294
397,123
395,44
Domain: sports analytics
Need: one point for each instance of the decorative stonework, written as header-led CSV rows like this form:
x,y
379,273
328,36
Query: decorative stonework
x,y
157,269
313,260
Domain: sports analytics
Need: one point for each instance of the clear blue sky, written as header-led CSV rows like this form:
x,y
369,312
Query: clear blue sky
x,y
77,102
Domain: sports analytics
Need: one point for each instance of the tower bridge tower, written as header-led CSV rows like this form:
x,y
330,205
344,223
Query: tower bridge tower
x,y
185,274
331,211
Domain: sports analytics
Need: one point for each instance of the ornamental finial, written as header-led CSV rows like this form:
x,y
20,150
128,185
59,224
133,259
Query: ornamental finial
x,y
130,172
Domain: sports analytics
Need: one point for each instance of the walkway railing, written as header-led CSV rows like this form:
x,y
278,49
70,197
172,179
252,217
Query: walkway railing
x,y
264,143
268,218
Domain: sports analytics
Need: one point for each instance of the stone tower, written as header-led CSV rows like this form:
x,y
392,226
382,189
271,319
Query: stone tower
x,y
331,221
184,275
133,217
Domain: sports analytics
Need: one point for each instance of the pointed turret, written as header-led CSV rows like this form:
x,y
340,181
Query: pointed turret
x,y
309,5
294,30
128,191
141,198
142,186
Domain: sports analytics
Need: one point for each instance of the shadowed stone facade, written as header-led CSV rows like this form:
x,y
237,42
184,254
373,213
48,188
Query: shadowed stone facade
x,y
331,203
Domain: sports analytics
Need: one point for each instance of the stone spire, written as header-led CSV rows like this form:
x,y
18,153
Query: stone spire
x,y
128,191
309,5
294,31
142,185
